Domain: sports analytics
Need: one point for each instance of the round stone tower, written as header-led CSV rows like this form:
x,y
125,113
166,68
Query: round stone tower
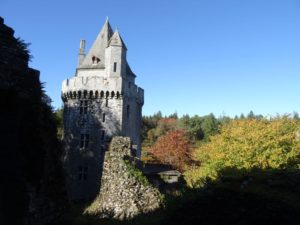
x,y
100,101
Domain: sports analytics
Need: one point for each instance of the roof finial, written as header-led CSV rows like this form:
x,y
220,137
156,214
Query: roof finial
x,y
106,19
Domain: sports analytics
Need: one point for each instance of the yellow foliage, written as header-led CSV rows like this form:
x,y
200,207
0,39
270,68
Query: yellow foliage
x,y
247,144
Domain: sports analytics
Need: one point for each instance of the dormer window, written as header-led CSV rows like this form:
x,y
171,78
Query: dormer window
x,y
95,60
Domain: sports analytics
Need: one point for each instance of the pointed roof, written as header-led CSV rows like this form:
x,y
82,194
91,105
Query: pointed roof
x,y
116,40
97,51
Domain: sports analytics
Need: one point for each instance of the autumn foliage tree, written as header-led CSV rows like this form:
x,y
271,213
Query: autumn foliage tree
x,y
172,149
162,127
247,144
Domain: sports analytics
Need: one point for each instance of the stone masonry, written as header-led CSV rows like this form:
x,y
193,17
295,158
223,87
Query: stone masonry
x,y
124,192
32,190
100,101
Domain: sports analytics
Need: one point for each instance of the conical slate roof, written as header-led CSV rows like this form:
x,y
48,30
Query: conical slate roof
x,y
97,51
116,40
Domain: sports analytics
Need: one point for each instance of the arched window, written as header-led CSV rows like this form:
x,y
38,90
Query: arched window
x,y
112,94
118,94
96,94
91,94
85,94
74,94
79,94
107,94
102,94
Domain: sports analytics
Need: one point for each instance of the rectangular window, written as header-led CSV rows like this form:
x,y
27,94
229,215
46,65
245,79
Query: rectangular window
x,y
102,135
103,117
115,67
82,173
84,140
128,111
83,107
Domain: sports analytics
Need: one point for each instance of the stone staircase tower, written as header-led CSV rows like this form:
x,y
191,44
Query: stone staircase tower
x,y
100,101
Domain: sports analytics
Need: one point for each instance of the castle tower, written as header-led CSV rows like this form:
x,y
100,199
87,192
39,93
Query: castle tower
x,y
100,101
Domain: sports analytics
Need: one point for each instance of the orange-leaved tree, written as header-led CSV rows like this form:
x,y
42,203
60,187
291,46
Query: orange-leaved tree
x,y
172,149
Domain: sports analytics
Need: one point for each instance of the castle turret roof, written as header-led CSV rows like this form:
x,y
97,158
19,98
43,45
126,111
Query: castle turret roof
x,y
97,51
116,40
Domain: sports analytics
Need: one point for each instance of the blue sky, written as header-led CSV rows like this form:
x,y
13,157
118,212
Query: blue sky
x,y
191,56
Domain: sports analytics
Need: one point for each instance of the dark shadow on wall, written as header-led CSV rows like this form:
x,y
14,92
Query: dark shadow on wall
x,y
92,156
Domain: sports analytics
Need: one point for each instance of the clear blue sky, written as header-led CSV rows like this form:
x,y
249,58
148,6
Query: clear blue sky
x,y
191,56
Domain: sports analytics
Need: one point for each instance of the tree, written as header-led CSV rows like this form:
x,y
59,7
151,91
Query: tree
x,y
193,126
251,115
150,123
161,127
172,149
296,115
58,116
246,144
174,116
210,126
199,128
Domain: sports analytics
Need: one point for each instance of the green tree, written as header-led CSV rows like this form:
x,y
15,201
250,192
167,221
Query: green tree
x,y
150,123
296,115
210,126
174,116
193,126
58,116
251,115
242,116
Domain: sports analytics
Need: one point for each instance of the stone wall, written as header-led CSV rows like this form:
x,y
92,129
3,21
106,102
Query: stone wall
x,y
124,191
32,185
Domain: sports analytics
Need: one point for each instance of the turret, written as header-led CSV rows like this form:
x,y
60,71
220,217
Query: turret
x,y
115,56
100,101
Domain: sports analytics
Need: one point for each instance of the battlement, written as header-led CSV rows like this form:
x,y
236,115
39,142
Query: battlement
x,y
135,91
85,94
99,87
